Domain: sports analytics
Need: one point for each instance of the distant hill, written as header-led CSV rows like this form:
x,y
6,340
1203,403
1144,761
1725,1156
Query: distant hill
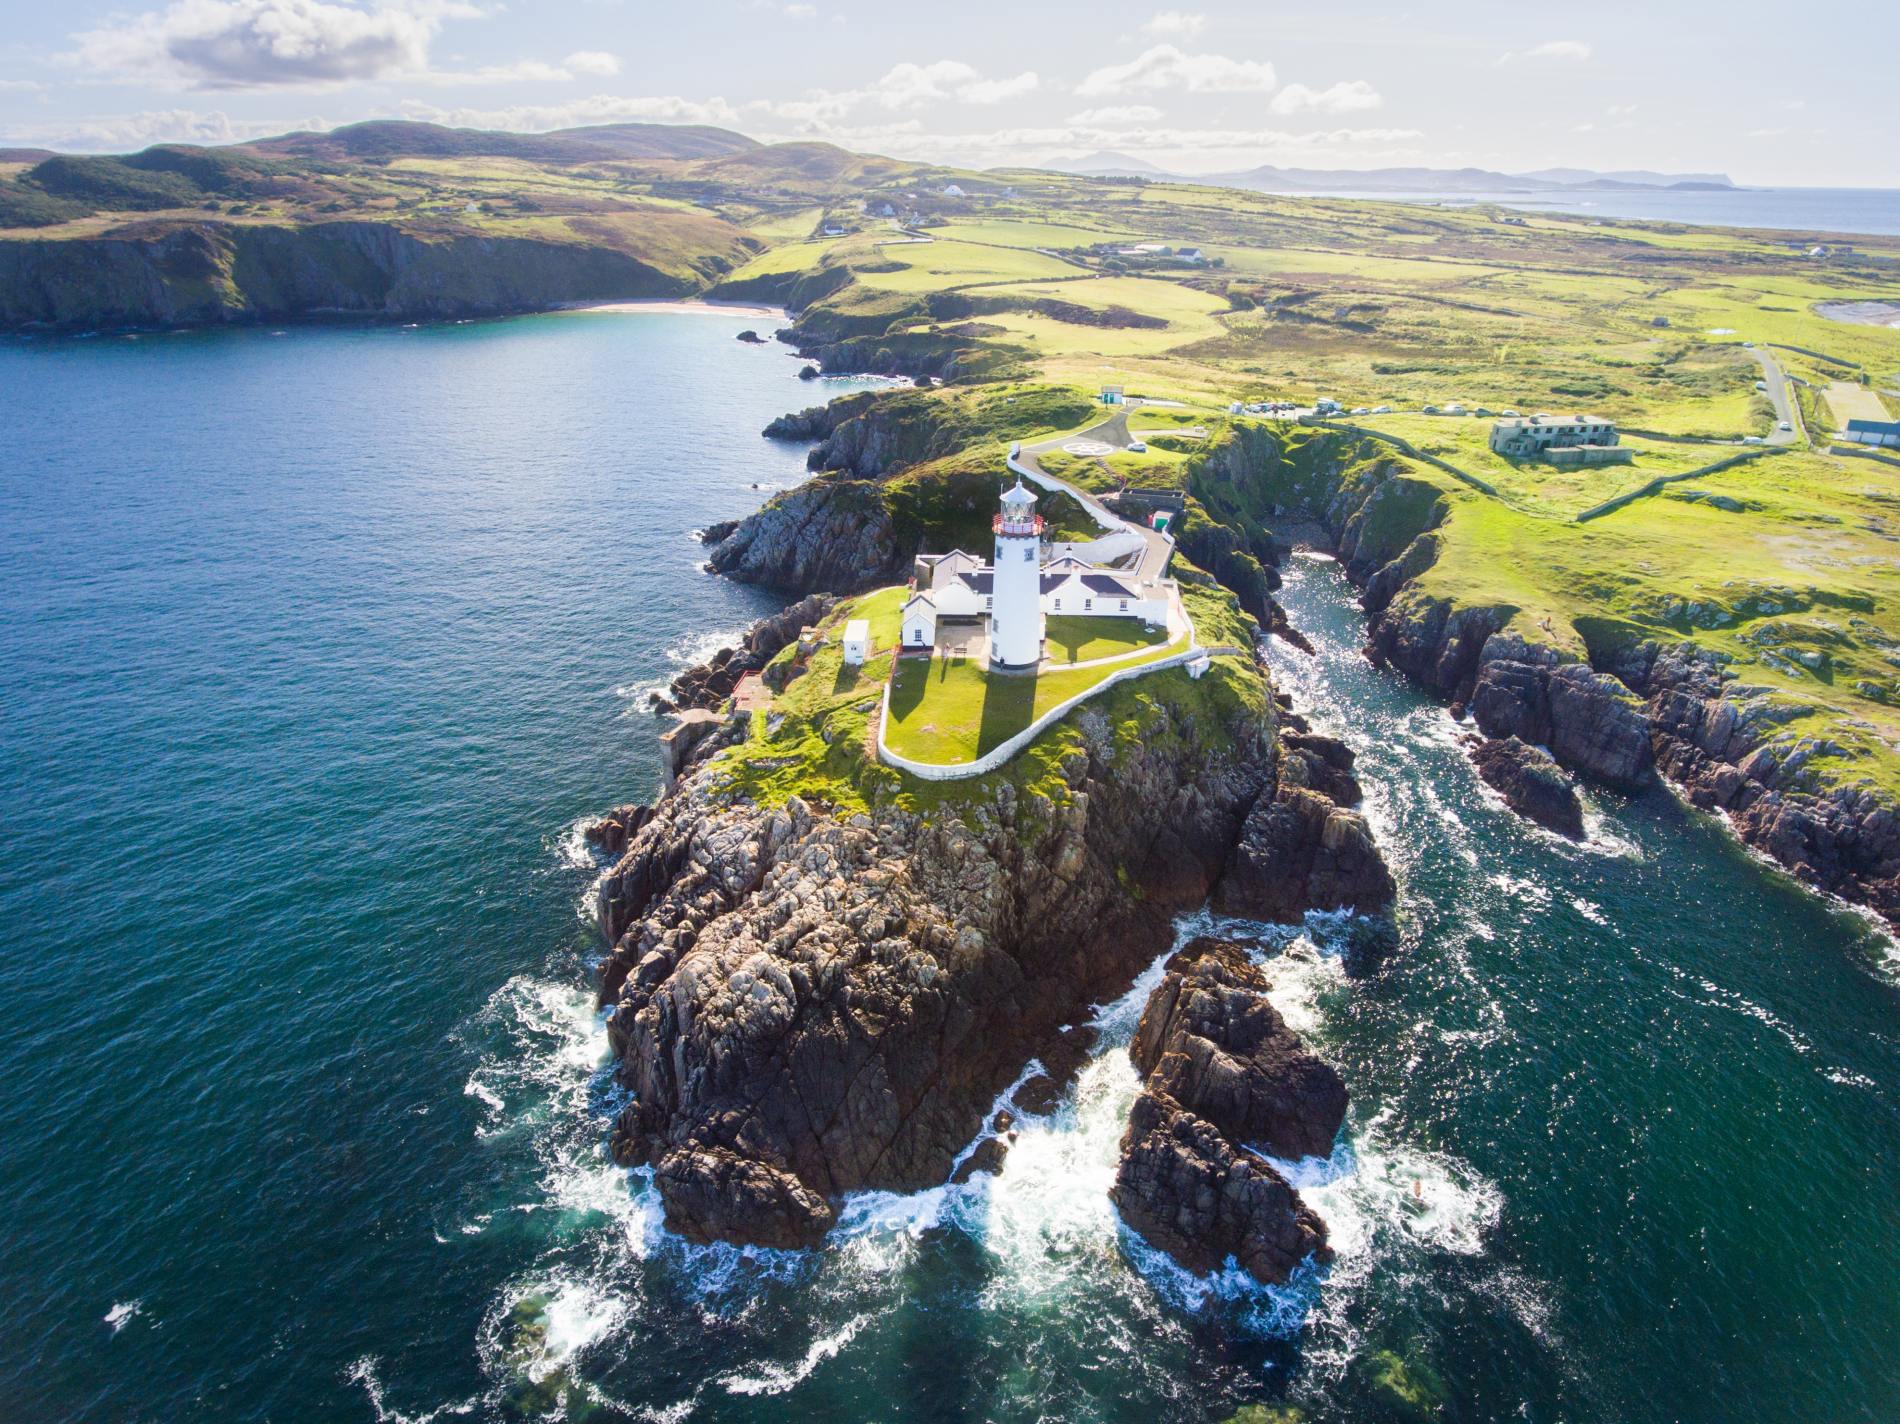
x,y
1105,164
1270,179
392,138
1634,177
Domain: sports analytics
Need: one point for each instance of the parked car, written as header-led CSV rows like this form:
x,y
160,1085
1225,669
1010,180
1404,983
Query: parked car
x,y
1783,425
1751,440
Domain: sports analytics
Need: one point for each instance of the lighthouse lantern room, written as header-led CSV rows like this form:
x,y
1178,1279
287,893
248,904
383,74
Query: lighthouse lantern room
x,y
1016,589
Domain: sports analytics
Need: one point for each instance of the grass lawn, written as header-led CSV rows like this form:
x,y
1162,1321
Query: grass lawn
x,y
949,710
1071,638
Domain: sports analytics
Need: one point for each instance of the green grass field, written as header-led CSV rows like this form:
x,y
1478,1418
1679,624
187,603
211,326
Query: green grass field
x,y
947,710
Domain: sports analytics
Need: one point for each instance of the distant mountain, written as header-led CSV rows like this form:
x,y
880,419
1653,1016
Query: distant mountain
x,y
1270,179
395,138
1105,164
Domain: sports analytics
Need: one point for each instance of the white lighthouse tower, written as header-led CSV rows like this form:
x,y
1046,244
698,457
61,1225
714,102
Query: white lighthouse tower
x,y
1016,588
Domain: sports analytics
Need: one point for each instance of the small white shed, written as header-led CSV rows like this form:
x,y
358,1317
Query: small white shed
x,y
857,642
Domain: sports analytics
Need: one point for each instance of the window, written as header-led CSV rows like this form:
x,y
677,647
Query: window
x,y
1058,605
1124,605
1088,604
1029,555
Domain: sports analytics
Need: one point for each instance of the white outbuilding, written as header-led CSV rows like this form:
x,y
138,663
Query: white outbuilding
x,y
920,621
857,642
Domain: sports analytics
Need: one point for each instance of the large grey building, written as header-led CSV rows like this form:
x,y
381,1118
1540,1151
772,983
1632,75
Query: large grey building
x,y
1561,439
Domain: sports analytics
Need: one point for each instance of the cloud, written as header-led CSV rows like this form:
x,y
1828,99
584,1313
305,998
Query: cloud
x,y
995,91
591,61
124,133
1176,22
1574,50
1199,149
801,12
258,44
1168,67
1117,114
908,86
1347,96
595,109
1621,111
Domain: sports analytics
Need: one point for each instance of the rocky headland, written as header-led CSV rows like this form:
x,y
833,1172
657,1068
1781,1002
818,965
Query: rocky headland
x,y
809,1001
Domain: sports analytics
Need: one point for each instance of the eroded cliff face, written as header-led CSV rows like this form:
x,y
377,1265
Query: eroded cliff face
x,y
835,534
806,1005
210,273
1651,708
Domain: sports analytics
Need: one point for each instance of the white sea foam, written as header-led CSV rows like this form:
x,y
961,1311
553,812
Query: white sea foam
x,y
555,1058
778,1379
577,1314
123,1313
363,1372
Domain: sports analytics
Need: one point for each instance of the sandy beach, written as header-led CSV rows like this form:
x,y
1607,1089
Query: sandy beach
x,y
665,305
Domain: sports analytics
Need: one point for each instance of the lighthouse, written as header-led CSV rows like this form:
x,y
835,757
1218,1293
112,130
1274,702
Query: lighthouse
x,y
1016,588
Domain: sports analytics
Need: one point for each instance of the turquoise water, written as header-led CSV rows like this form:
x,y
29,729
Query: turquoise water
x,y
318,646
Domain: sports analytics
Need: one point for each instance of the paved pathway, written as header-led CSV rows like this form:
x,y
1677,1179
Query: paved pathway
x,y
1158,548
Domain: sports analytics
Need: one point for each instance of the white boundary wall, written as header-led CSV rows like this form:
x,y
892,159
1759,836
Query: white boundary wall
x,y
1101,516
1003,751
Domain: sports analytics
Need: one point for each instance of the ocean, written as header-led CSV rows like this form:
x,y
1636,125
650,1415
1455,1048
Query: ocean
x,y
1851,211
318,648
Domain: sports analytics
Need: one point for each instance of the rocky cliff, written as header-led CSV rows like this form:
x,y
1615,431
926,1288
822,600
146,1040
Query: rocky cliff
x,y
1646,708
1221,1072
806,1005
210,273
901,470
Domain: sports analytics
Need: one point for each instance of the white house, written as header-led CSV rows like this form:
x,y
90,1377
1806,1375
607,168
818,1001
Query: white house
x,y
857,642
1099,594
920,621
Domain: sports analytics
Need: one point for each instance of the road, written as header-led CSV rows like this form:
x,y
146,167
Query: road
x,y
1158,548
1781,396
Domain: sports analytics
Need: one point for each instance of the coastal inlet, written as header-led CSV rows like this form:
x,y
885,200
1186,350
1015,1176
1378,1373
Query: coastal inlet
x,y
1619,1141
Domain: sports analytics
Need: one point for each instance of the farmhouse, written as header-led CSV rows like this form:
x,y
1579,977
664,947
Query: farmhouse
x,y
1560,439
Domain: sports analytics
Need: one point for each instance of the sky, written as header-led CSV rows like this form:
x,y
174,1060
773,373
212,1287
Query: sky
x,y
1747,88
